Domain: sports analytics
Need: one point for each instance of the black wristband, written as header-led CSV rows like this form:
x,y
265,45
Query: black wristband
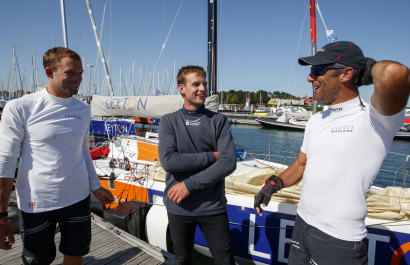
x,y
4,214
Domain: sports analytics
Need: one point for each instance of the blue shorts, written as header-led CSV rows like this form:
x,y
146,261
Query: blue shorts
x,y
38,231
310,245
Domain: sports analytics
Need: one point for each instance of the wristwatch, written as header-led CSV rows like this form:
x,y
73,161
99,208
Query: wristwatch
x,y
4,214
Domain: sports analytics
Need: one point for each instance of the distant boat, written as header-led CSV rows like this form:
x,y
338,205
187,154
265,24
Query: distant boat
x,y
288,120
404,132
287,123
271,122
402,135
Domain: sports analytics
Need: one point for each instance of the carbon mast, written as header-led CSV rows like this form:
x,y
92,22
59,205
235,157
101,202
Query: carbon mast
x,y
212,48
313,41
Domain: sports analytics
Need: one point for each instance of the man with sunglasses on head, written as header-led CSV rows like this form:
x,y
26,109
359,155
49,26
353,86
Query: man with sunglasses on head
x,y
341,154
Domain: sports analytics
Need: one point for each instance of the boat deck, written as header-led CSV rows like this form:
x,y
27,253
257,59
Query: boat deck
x,y
109,245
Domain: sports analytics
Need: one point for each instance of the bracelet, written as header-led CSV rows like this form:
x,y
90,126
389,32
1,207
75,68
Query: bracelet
x,y
4,214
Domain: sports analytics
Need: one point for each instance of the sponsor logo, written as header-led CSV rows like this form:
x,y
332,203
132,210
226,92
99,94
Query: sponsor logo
x,y
342,129
73,117
196,122
336,109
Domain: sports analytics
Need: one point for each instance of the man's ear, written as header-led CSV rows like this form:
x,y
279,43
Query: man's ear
x,y
181,89
49,72
347,74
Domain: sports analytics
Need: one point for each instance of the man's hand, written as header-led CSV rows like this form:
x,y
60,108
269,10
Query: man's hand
x,y
365,76
272,185
104,196
6,234
178,192
216,154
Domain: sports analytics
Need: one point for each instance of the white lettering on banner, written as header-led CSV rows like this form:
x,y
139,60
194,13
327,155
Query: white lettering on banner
x,y
283,239
251,241
371,249
117,128
107,127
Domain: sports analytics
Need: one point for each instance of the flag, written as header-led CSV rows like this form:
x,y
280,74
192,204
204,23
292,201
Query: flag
x,y
329,34
158,93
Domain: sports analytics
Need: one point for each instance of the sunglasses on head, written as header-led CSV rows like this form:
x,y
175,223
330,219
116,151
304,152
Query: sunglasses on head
x,y
319,70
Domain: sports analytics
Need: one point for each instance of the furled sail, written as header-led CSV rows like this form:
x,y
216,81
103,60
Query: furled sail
x,y
146,107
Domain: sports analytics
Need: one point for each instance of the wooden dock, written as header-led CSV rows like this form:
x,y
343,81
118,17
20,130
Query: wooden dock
x,y
109,245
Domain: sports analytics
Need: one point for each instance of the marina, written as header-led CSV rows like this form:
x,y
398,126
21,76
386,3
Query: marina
x,y
131,170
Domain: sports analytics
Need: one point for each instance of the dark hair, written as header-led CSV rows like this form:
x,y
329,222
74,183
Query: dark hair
x,y
186,70
53,57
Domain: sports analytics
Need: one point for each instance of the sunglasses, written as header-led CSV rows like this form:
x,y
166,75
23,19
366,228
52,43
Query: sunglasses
x,y
319,70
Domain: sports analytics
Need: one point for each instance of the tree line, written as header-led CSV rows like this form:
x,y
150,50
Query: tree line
x,y
256,98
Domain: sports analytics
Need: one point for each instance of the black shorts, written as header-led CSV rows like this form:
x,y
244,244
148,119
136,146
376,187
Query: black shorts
x,y
38,231
310,245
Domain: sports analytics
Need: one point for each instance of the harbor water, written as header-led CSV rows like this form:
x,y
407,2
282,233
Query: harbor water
x,y
283,147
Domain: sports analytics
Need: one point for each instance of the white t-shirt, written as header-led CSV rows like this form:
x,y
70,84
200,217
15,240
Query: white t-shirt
x,y
50,135
345,147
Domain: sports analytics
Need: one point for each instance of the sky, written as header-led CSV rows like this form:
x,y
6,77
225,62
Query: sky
x,y
259,41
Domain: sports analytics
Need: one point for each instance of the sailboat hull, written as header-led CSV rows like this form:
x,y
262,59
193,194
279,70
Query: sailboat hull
x,y
265,240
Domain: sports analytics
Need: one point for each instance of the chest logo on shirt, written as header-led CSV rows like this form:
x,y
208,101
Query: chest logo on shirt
x,y
196,122
73,117
342,129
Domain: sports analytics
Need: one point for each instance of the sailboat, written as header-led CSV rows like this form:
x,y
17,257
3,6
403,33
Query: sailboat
x,y
132,171
261,110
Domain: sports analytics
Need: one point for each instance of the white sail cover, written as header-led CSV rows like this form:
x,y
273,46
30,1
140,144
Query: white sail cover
x,y
144,107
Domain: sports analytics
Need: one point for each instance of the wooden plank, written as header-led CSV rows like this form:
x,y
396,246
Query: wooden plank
x,y
109,245
132,258
115,253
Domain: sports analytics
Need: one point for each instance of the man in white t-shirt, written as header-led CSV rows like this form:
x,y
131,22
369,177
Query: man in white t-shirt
x,y
48,132
341,154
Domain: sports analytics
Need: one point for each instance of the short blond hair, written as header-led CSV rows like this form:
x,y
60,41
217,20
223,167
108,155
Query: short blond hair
x,y
189,69
53,57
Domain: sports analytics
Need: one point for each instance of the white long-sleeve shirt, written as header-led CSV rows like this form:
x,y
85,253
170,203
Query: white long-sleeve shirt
x,y
50,136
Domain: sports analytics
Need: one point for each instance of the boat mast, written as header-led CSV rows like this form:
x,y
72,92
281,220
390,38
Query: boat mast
x,y
313,42
100,50
63,23
212,47
313,27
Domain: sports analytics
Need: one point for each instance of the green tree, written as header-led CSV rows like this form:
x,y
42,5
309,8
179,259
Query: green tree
x,y
234,99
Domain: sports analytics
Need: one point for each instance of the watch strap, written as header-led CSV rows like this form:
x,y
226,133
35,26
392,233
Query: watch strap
x,y
4,214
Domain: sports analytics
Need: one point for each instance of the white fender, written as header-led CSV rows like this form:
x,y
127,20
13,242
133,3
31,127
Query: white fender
x,y
156,225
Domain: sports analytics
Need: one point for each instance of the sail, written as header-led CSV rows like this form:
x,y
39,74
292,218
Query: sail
x,y
145,107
